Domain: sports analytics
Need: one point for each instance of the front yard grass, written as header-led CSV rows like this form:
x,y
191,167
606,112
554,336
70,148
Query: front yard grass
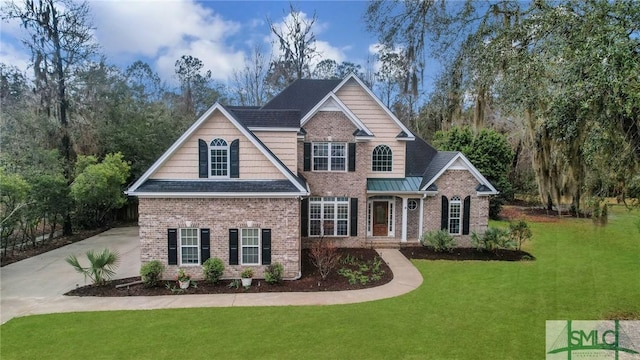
x,y
463,310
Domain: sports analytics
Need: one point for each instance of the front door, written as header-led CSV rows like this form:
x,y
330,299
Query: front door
x,y
380,218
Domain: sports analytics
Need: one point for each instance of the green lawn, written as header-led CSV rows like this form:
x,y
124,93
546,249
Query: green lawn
x,y
463,310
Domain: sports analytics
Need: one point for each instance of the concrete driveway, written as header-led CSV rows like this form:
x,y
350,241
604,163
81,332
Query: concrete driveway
x,y
36,285
32,284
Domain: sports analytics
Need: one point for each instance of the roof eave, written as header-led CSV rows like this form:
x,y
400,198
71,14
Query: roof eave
x,y
272,195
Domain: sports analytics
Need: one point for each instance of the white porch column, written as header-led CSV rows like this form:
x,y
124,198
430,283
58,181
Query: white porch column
x,y
420,219
404,220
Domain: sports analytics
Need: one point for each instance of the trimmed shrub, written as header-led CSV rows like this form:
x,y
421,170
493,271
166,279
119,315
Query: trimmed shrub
x,y
519,232
273,273
151,272
213,268
439,240
492,239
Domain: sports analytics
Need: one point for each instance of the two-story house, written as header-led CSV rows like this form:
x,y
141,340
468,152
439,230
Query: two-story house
x,y
324,158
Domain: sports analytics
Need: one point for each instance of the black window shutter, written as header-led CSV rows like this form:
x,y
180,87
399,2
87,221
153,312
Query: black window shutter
x,y
466,214
234,159
205,245
304,217
233,246
203,159
307,156
353,217
352,156
172,236
266,246
444,222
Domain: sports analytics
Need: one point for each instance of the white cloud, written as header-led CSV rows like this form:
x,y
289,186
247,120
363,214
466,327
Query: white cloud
x,y
13,56
165,31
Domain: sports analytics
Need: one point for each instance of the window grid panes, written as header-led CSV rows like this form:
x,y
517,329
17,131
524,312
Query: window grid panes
x,y
382,159
455,206
250,239
412,204
189,246
329,156
329,216
219,158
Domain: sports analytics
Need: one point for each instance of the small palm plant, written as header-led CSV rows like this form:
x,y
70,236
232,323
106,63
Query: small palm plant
x,y
102,265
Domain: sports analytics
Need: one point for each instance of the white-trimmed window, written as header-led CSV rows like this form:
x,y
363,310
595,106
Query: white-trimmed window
x,y
219,158
250,246
189,246
329,216
455,215
382,158
329,156
412,204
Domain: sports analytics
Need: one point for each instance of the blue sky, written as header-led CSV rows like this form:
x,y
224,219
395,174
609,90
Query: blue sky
x,y
220,33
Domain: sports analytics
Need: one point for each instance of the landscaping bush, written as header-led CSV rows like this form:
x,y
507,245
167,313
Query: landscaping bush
x,y
519,232
102,266
213,268
324,256
151,272
492,239
273,273
439,240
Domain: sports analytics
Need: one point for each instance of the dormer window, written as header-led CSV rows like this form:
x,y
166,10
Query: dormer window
x,y
219,155
382,158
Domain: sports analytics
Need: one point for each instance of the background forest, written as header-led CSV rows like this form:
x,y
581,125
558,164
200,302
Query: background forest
x,y
543,97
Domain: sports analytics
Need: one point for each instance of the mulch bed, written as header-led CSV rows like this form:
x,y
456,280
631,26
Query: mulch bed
x,y
466,254
310,281
45,246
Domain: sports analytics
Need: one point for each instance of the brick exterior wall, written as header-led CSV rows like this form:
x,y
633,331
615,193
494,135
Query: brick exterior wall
x,y
457,183
282,216
334,126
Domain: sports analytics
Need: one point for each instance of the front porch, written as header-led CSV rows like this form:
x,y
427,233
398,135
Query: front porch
x,y
395,212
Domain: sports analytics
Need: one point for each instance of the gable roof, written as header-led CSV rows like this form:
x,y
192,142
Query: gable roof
x,y
375,98
299,184
331,96
302,94
443,160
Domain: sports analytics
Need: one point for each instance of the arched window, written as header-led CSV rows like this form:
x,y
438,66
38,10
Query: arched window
x,y
219,150
455,215
382,159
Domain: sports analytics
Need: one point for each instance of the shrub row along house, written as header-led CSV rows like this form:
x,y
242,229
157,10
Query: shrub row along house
x,y
323,159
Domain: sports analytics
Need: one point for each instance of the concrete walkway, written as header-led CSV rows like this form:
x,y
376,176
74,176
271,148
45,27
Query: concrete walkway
x,y
36,285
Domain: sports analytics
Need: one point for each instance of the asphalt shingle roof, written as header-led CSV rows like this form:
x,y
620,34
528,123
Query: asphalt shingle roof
x,y
439,161
216,186
253,117
302,94
419,156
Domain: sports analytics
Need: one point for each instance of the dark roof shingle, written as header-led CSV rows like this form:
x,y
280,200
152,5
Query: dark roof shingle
x,y
266,118
216,186
302,94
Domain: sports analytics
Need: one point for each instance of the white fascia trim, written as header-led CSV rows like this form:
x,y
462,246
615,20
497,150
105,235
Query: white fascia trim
x,y
219,195
194,127
283,129
364,138
350,115
472,169
374,97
